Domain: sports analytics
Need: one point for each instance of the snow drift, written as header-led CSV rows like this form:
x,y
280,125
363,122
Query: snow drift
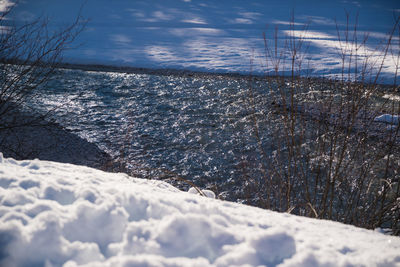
x,y
55,214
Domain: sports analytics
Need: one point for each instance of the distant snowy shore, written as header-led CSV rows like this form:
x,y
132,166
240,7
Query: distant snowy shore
x,y
207,36
55,214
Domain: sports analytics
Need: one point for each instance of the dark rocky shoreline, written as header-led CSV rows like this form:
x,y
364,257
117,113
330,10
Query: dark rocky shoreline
x,y
35,137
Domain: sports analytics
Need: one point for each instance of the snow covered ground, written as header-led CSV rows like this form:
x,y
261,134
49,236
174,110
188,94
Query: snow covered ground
x,y
217,36
54,214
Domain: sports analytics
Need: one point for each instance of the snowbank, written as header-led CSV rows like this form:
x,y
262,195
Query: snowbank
x,y
57,214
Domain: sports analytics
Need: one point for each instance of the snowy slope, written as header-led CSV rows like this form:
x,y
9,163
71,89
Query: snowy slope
x,y
223,35
53,214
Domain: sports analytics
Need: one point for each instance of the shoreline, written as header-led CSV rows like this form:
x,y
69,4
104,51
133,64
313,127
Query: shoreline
x,y
203,74
152,71
38,137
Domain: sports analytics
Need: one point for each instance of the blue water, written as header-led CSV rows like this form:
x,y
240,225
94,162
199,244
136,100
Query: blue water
x,y
198,128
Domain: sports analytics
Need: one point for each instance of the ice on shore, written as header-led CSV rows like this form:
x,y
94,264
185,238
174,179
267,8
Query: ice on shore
x,y
388,118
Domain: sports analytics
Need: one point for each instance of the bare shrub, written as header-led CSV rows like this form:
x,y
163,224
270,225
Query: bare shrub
x,y
330,158
29,55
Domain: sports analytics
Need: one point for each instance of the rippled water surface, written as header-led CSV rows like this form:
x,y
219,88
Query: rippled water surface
x,y
198,128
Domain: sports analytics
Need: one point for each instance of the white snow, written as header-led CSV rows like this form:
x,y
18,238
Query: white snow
x,y
5,5
219,36
55,214
204,192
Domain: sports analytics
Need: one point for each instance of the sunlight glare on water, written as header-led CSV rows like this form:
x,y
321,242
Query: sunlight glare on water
x,y
195,127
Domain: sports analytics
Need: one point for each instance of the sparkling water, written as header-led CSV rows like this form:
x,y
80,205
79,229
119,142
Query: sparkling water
x,y
195,127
